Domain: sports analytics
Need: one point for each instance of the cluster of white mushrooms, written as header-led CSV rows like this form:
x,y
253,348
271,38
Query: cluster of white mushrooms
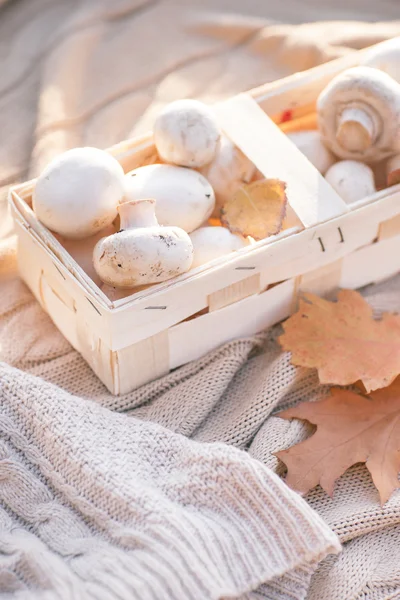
x,y
164,209
359,126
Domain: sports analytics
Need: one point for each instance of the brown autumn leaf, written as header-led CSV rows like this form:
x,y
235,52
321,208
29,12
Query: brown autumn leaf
x,y
350,428
343,341
256,209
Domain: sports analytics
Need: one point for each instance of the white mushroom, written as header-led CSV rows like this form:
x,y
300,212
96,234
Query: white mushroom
x,y
352,180
311,145
78,192
82,251
183,197
393,170
359,114
210,243
385,57
142,251
186,133
229,169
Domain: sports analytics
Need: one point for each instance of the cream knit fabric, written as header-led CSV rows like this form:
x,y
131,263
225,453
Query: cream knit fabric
x,y
99,505
172,491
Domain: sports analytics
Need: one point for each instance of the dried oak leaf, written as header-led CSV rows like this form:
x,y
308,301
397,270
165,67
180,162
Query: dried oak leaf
x,y
343,341
256,209
350,429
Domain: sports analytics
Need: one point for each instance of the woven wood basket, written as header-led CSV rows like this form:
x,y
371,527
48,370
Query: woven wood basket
x,y
134,340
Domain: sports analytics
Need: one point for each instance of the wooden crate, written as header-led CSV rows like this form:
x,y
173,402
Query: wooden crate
x,y
134,340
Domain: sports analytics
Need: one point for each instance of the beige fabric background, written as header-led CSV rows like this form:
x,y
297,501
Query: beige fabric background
x,y
95,72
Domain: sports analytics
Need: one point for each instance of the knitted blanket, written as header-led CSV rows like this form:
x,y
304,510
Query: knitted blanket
x,y
172,491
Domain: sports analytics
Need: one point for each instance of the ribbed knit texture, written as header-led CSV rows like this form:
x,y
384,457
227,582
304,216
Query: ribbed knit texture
x,y
171,492
113,507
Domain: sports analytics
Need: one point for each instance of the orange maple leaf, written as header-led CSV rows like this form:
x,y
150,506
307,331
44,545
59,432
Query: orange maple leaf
x,y
256,209
350,428
343,341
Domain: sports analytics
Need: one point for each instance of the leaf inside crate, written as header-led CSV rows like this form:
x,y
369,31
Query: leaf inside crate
x,y
257,209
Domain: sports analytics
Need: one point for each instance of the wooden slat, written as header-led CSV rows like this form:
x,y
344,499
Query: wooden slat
x,y
192,339
62,315
311,197
51,246
389,228
96,353
58,289
234,293
29,260
371,264
322,282
322,247
142,362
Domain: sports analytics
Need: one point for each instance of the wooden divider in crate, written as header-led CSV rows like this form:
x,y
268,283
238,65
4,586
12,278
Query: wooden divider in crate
x,y
313,200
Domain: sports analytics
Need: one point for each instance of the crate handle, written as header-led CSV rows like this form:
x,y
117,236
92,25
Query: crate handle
x,y
260,139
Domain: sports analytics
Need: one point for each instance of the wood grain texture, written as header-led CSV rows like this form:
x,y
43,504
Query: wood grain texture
x,y
389,228
142,362
234,293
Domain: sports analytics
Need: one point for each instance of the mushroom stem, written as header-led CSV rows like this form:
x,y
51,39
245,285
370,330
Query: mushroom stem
x,y
137,213
355,130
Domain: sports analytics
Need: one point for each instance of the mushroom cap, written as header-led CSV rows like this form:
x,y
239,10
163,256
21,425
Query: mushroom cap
x,y
309,142
136,257
186,133
352,180
210,243
77,194
377,96
228,171
184,198
385,57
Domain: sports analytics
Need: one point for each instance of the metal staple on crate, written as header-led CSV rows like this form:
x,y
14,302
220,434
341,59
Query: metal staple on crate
x,y
155,307
244,268
341,239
